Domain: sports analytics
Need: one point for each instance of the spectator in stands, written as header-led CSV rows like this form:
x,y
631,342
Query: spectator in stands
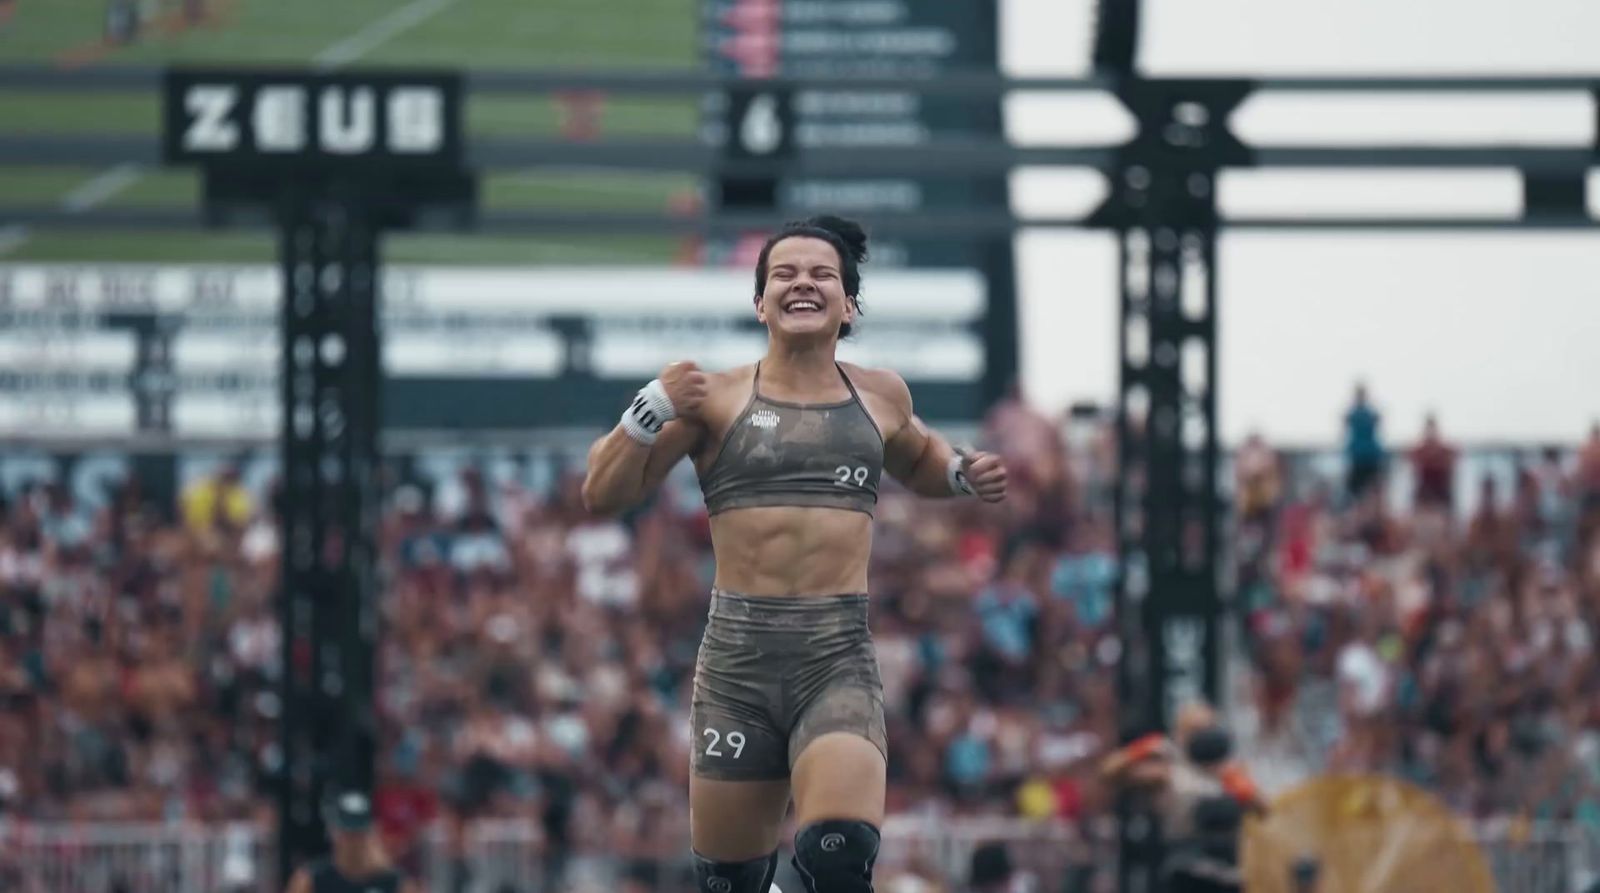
x,y
1365,683
65,524
1364,452
1589,461
1257,480
1008,611
1588,484
1032,446
1492,535
991,870
358,861
123,21
217,503
1199,793
1433,464
404,804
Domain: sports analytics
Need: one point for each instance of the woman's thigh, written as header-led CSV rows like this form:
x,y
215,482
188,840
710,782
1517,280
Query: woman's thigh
x,y
840,775
734,821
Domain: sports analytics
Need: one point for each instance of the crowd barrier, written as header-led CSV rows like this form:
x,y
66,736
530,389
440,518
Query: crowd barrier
x,y
929,854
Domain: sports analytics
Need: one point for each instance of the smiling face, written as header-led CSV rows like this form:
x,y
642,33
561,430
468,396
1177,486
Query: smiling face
x,y
803,296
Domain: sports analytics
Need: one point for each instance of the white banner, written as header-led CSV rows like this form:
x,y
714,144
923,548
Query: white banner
x,y
57,291
71,334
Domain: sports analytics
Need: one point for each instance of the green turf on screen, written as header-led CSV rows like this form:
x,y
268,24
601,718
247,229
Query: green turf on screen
x,y
463,33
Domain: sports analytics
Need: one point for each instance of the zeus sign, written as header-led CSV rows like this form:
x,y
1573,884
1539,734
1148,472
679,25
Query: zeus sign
x,y
326,120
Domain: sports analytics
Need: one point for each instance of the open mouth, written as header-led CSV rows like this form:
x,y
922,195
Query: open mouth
x,y
803,305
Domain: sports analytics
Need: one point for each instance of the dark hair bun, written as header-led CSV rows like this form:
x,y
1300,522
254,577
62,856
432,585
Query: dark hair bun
x,y
1210,745
854,237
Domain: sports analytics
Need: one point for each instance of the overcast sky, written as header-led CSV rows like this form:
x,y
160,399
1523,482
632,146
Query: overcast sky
x,y
1497,333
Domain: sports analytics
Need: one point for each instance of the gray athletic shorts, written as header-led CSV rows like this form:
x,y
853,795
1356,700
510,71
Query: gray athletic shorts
x,y
776,673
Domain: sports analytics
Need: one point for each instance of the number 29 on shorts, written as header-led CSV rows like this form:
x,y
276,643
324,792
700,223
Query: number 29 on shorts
x,y
734,740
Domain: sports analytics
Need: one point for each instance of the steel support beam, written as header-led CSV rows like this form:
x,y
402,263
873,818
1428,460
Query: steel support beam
x,y
978,84
1164,209
331,421
955,225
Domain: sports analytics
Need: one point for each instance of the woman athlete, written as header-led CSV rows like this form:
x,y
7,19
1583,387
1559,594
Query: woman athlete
x,y
789,451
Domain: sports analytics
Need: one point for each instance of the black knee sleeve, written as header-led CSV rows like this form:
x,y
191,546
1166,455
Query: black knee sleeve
x,y
836,856
754,876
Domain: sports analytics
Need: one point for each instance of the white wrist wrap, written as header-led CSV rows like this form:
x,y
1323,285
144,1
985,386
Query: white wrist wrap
x,y
956,473
650,410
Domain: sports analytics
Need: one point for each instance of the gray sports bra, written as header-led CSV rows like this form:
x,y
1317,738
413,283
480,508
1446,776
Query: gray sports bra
x,y
800,454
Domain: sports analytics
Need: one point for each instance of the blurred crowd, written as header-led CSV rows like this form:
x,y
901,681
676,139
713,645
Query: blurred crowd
x,y
1430,615
535,661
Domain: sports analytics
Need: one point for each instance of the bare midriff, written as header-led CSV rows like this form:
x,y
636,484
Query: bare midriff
x,y
791,551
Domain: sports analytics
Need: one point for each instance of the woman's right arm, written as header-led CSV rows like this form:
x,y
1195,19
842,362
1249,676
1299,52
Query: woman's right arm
x,y
659,428
622,471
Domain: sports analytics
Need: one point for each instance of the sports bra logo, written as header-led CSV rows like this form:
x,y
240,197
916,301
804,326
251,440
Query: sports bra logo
x,y
764,418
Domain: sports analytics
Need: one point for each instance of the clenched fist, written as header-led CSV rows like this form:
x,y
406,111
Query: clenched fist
x,y
986,473
685,385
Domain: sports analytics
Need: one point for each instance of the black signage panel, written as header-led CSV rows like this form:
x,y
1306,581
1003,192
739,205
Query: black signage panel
x,y
867,38
762,40
328,120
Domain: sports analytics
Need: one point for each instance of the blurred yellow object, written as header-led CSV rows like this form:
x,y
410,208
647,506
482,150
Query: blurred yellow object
x,y
1368,834
209,501
1036,800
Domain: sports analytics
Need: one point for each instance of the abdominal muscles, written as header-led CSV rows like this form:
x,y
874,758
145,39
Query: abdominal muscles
x,y
784,550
